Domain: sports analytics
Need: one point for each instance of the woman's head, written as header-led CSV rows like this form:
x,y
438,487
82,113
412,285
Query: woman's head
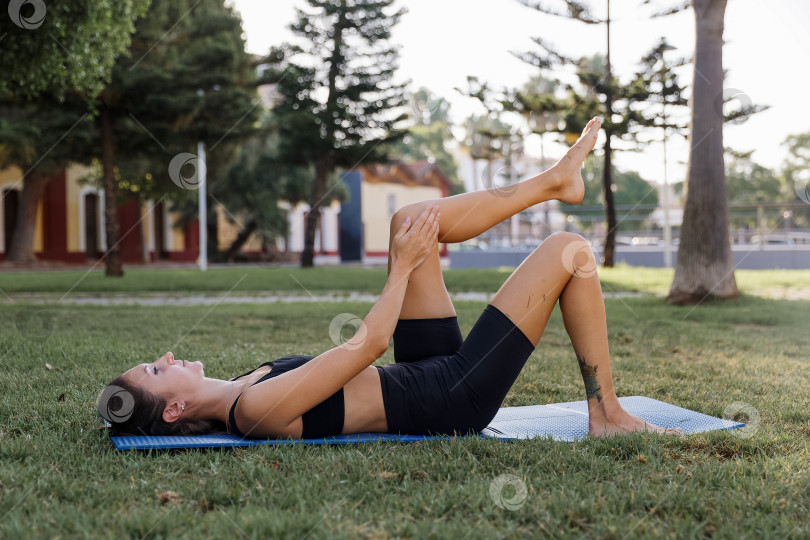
x,y
156,399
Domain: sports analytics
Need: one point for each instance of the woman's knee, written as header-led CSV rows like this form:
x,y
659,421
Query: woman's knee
x,y
573,251
413,210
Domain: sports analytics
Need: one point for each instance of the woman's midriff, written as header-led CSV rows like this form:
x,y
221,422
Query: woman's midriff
x,y
363,402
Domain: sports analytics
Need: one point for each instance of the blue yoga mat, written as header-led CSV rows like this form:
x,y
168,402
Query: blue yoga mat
x,y
561,421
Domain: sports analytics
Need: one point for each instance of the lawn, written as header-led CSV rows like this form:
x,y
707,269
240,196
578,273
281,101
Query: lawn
x,y
294,280
59,474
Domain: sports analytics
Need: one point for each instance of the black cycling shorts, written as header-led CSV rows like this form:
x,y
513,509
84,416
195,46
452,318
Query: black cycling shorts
x,y
442,385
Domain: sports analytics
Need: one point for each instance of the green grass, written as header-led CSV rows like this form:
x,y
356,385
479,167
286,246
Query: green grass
x,y
295,280
59,475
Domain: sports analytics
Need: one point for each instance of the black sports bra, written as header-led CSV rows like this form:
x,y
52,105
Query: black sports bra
x,y
323,420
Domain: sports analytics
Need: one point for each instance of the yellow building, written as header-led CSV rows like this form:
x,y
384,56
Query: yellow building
x,y
70,218
357,227
385,189
70,222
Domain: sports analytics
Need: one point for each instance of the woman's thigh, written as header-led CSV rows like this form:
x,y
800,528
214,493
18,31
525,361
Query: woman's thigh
x,y
426,296
461,392
529,295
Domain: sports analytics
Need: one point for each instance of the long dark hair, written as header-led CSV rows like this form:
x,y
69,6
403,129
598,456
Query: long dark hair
x,y
132,410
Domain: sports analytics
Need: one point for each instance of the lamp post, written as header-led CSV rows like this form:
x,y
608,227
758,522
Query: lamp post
x,y
201,203
665,197
202,220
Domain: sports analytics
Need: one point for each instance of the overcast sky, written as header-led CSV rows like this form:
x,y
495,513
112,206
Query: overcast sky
x,y
444,41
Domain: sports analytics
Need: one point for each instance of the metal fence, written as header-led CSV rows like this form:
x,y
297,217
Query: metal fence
x,y
759,224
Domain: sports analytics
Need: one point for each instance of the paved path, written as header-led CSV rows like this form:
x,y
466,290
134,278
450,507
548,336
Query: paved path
x,y
259,297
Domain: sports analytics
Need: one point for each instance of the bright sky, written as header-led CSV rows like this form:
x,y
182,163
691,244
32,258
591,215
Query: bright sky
x,y
444,41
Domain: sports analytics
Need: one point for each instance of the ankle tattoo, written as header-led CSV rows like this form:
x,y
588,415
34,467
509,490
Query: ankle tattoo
x,y
592,388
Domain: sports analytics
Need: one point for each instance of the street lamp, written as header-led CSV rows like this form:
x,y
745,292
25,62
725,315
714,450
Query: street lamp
x,y
665,201
202,220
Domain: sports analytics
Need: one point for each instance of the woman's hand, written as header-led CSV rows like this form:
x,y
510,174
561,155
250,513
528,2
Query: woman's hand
x,y
414,241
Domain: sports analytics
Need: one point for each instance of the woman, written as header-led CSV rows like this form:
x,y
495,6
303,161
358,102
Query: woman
x,y
439,383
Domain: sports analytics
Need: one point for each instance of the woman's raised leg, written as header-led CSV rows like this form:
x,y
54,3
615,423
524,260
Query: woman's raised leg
x,y
563,267
467,215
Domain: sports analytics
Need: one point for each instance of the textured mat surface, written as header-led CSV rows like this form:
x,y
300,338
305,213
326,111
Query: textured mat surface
x,y
569,421
561,421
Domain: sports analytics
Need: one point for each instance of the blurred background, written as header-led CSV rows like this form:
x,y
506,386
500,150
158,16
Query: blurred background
x,y
189,132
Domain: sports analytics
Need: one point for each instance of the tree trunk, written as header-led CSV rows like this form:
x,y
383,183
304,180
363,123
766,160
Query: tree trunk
x,y
610,206
311,222
324,165
22,241
705,265
212,237
607,174
143,235
241,238
113,256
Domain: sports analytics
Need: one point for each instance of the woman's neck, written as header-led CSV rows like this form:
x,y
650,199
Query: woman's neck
x,y
215,399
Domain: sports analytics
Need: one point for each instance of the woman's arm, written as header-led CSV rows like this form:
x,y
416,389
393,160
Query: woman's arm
x,y
272,405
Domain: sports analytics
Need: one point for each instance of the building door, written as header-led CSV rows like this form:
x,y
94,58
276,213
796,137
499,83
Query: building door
x,y
91,226
11,201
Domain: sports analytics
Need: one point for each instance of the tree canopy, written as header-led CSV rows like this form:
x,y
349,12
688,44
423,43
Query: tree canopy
x,y
63,47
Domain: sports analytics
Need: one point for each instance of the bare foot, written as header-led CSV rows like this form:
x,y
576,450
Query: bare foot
x,y
623,422
571,188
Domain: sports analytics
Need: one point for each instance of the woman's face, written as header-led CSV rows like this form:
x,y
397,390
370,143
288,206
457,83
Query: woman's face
x,y
167,376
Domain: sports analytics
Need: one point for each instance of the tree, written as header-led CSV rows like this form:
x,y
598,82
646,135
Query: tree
x,y
536,101
705,265
257,183
750,182
63,48
796,175
797,164
53,59
601,93
599,81
427,138
487,138
632,191
187,79
348,61
40,136
252,191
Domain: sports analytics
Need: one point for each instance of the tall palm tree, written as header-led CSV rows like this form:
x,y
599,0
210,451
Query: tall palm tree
x,y
705,265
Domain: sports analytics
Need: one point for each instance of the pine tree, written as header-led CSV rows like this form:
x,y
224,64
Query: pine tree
x,y
347,43
187,79
602,93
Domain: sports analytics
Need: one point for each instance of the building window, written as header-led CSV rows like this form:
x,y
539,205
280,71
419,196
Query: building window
x,y
392,205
